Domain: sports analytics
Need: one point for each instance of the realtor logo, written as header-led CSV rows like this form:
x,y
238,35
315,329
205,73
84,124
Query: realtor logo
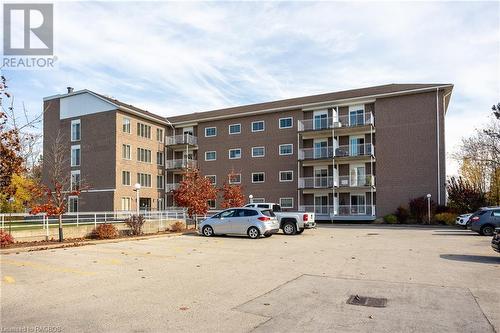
x,y
28,29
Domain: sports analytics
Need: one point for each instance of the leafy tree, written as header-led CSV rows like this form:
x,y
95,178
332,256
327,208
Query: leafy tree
x,y
419,209
21,190
464,197
232,194
194,192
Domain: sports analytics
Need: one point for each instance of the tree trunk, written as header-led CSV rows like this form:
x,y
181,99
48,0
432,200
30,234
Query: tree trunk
x,y
60,229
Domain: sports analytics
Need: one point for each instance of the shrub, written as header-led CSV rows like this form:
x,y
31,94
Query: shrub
x,y
418,208
5,239
390,218
402,214
135,223
445,218
177,226
105,231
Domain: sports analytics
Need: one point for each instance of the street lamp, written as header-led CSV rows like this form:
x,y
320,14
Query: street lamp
x,y
429,208
137,188
250,197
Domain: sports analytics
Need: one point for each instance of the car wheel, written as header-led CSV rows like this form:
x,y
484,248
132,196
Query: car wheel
x,y
207,231
487,230
300,231
289,228
253,232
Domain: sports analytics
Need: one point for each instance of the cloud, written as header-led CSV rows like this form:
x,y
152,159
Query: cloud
x,y
174,58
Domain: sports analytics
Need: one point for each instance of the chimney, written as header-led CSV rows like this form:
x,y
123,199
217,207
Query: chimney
x,y
70,90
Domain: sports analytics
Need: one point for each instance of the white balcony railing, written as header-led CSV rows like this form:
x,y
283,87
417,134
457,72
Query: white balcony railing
x,y
353,120
364,149
342,210
181,164
338,181
171,187
183,139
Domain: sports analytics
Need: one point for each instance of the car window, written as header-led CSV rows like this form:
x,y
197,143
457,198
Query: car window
x,y
250,212
216,216
268,212
262,206
481,212
228,213
276,208
496,213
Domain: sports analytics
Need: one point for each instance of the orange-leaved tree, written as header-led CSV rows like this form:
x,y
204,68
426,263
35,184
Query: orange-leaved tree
x,y
232,194
193,192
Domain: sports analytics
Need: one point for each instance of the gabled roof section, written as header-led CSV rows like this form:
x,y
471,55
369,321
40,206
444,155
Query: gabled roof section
x,y
299,102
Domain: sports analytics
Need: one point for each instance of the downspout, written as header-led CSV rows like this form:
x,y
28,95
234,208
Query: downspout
x,y
444,107
438,151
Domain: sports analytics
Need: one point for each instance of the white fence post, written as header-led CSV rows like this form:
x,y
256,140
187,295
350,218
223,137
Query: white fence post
x,y
161,221
95,220
46,227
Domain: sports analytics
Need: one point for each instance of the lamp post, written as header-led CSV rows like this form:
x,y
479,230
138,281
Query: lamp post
x,y
137,188
429,208
250,197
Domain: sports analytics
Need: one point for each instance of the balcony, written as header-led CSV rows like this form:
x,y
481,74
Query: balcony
x,y
319,124
182,140
341,212
181,164
364,149
338,181
171,187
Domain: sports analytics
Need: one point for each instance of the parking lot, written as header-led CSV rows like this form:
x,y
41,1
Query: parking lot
x,y
434,279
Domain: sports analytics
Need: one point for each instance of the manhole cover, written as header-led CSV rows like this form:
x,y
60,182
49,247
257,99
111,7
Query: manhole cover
x,y
367,301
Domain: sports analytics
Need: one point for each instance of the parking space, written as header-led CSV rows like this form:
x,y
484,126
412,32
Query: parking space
x,y
434,279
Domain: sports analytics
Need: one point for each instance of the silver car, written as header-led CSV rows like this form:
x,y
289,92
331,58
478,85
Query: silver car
x,y
253,222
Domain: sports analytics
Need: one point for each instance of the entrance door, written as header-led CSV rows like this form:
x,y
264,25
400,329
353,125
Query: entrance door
x,y
321,204
356,115
358,204
321,177
357,146
320,120
358,176
320,148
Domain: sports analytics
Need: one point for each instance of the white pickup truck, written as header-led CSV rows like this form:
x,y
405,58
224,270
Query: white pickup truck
x,y
290,222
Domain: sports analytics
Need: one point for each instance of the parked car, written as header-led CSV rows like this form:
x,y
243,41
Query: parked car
x,y
241,221
485,220
290,222
495,242
462,220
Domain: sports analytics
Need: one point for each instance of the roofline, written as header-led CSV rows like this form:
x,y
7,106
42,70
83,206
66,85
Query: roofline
x,y
118,107
401,92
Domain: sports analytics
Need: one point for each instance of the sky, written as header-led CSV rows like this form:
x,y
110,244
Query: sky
x,y
176,58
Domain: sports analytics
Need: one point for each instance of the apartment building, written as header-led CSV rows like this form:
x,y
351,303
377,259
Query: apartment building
x,y
348,155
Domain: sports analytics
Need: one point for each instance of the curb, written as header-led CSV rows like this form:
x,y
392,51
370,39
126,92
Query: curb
x,y
15,250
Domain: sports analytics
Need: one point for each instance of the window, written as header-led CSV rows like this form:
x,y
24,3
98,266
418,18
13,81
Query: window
x,y
210,131
144,179
75,180
286,122
210,155
75,130
212,178
73,204
144,155
286,202
258,126
159,135
159,182
249,212
125,177
234,153
235,129
144,130
286,176
126,152
211,204
496,213
126,125
258,151
75,155
159,158
235,178
126,203
286,149
258,177
259,200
